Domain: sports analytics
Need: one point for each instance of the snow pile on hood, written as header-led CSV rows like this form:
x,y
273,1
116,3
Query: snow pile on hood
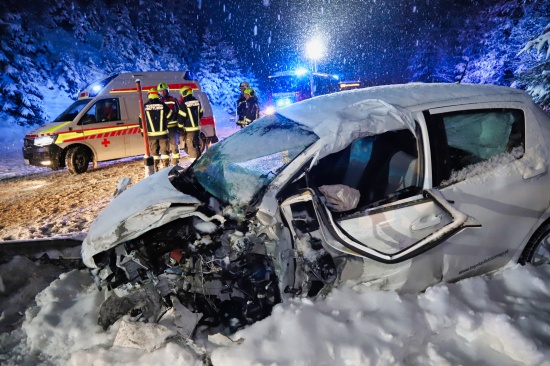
x,y
501,320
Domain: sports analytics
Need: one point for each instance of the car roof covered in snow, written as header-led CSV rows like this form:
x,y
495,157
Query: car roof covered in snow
x,y
340,117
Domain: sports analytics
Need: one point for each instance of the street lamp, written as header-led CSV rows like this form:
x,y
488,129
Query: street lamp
x,y
315,51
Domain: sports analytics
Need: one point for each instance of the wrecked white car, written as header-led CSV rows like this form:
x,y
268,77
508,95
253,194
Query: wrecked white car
x,y
395,187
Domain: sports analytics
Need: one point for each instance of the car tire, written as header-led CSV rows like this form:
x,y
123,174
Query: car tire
x,y
77,159
537,250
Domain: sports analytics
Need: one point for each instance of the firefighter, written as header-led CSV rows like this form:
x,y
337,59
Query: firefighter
x,y
189,117
252,111
157,115
173,134
241,103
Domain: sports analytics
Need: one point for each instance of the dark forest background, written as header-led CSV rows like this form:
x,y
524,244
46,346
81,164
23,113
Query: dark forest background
x,y
51,49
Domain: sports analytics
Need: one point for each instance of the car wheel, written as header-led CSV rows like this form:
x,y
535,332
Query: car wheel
x,y
537,250
77,159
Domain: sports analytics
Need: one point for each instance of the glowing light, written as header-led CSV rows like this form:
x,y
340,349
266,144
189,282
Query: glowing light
x,y
270,110
300,72
283,102
315,49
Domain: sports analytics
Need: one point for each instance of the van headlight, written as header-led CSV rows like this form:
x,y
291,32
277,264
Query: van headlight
x,y
44,140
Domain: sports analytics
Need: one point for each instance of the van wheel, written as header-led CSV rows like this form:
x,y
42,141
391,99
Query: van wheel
x,y
537,250
77,159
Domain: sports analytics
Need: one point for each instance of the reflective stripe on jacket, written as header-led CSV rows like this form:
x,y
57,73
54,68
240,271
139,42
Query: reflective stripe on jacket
x,y
190,114
156,115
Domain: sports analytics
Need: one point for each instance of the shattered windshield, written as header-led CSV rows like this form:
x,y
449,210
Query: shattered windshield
x,y
235,169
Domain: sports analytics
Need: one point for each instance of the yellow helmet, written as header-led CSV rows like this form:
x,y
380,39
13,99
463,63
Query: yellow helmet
x,y
185,91
162,86
153,93
249,91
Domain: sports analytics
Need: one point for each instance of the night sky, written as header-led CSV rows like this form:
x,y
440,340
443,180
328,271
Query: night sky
x,y
364,39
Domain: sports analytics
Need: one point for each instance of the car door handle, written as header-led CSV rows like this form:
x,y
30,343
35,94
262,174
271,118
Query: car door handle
x,y
425,222
119,123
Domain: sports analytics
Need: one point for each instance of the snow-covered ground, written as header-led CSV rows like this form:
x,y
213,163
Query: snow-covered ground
x,y
503,319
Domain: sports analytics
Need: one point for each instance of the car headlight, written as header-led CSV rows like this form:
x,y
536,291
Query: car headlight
x,y
44,140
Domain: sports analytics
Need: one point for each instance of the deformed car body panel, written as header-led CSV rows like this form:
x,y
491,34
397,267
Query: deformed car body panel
x,y
134,212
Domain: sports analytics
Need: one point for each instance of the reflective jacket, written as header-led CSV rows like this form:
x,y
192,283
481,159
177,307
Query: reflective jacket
x,y
241,107
190,114
157,115
172,102
252,111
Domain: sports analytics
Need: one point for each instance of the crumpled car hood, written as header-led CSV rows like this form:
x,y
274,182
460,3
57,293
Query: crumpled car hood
x,y
142,207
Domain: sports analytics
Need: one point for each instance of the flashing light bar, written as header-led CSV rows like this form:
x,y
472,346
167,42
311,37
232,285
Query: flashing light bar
x,y
283,102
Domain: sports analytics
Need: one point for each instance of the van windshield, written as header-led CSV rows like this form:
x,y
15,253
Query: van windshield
x,y
237,168
74,109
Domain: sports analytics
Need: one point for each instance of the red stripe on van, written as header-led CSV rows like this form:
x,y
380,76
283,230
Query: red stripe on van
x,y
207,121
145,88
77,139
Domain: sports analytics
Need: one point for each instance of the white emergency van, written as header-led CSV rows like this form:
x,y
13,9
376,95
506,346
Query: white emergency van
x,y
103,124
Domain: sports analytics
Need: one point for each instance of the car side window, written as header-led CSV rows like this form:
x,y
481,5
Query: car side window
x,y
465,138
383,168
108,110
104,110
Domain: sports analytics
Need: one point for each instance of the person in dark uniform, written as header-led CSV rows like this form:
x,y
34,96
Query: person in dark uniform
x,y
189,117
157,115
241,103
173,133
252,111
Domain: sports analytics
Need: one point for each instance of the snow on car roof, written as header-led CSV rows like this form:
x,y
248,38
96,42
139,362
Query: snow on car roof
x,y
341,117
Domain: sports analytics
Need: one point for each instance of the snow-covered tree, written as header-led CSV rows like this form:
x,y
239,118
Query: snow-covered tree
x,y
492,40
220,72
536,80
20,101
60,46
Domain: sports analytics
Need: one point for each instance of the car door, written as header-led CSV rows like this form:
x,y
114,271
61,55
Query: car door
x,y
484,162
387,216
395,219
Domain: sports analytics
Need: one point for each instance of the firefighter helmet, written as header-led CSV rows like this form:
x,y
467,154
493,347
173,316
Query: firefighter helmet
x,y
153,93
185,91
244,85
249,92
163,86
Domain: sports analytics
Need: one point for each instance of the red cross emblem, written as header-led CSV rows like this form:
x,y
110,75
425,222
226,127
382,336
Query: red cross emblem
x,y
105,142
